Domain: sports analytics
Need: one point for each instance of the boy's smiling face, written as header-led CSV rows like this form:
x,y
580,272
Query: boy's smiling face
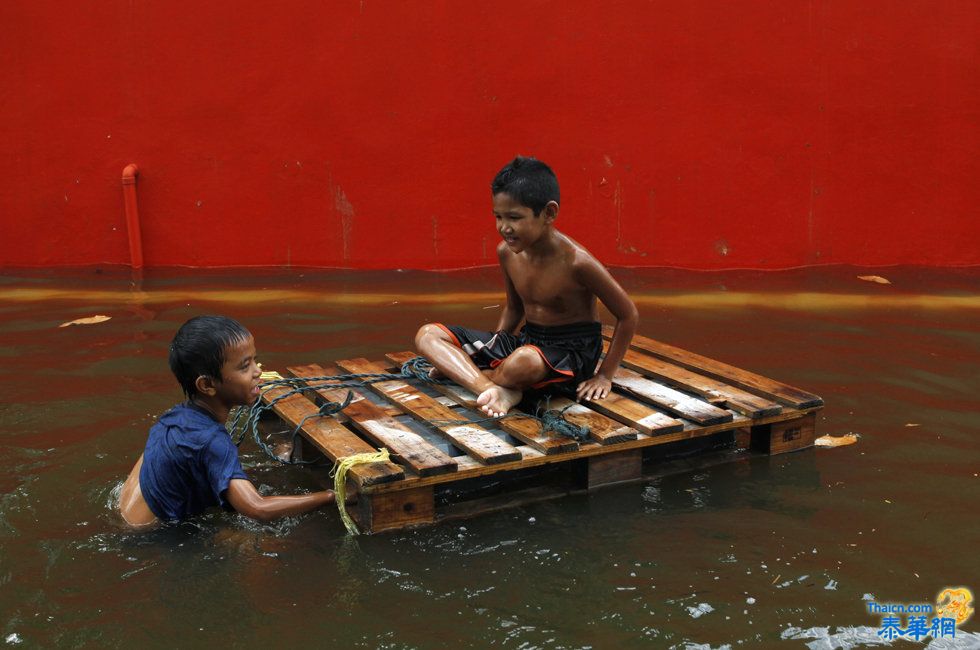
x,y
239,385
517,223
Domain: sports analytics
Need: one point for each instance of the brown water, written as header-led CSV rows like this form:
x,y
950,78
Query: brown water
x,y
765,552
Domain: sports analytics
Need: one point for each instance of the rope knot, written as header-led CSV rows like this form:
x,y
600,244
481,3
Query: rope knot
x,y
418,368
554,420
329,408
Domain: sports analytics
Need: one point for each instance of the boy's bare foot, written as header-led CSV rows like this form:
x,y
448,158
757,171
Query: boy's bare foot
x,y
497,400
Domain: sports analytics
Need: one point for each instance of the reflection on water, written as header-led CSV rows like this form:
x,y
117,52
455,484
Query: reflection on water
x,y
768,552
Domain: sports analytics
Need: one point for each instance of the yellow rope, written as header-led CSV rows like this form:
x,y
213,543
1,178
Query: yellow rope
x,y
339,474
269,375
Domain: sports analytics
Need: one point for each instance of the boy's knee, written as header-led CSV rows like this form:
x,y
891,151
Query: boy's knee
x,y
527,358
427,333
523,368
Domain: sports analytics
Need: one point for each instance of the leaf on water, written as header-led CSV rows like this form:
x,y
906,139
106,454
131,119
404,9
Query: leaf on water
x,y
874,278
836,441
91,320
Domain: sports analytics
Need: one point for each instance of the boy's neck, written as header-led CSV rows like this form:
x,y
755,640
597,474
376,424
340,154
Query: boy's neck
x,y
213,407
546,245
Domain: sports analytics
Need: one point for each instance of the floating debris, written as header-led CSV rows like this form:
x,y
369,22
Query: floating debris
x,y
836,441
91,320
700,610
877,279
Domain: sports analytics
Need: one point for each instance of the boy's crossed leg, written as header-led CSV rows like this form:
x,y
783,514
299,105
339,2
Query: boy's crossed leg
x,y
498,391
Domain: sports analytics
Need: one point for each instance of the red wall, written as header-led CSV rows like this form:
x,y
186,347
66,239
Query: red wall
x,y
761,134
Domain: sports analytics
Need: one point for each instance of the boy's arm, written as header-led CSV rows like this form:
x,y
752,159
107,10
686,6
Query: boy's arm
x,y
244,498
598,280
513,314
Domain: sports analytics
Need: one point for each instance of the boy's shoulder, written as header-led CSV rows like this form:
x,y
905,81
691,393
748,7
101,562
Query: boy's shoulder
x,y
570,250
195,425
577,257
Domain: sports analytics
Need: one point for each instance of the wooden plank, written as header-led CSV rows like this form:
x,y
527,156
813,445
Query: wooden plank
x,y
752,382
471,438
469,468
618,467
332,438
792,435
635,414
711,390
406,446
676,402
395,510
781,437
614,406
602,429
526,430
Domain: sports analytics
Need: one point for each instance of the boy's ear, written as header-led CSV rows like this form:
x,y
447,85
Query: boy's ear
x,y
205,386
550,211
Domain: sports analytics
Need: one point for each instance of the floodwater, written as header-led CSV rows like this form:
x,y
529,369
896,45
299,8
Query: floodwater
x,y
778,551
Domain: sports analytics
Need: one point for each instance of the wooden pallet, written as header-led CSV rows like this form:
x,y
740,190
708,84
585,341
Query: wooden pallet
x,y
666,401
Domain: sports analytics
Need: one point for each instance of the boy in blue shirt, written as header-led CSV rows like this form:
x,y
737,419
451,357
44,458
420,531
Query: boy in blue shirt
x,y
190,462
549,330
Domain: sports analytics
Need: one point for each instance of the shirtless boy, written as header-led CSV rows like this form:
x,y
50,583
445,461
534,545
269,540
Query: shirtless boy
x,y
552,284
190,462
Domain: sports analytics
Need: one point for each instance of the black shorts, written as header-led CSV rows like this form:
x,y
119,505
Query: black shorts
x,y
571,352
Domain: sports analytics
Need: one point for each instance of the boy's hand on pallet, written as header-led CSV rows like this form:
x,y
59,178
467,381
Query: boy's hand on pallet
x,y
595,388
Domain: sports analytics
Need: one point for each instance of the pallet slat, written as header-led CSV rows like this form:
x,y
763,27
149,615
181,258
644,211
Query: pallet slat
x,y
471,438
406,446
332,438
635,414
712,390
526,430
602,429
673,401
757,384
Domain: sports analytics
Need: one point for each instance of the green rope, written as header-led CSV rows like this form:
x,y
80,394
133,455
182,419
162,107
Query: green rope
x,y
550,419
554,420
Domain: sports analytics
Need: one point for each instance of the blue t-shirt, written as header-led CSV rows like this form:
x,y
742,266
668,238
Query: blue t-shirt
x,y
188,464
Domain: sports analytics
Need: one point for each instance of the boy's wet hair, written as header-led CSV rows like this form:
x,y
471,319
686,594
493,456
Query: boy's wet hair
x,y
528,181
199,347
